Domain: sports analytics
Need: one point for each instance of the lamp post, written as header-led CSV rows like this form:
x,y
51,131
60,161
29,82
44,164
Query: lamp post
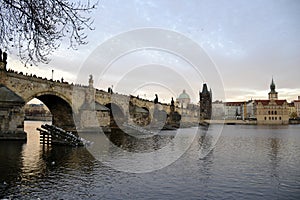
x,y
52,73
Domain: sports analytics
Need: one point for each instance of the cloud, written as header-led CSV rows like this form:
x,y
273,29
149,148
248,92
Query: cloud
x,y
245,94
248,47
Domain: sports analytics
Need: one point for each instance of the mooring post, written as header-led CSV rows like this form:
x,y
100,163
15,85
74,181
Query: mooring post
x,y
43,138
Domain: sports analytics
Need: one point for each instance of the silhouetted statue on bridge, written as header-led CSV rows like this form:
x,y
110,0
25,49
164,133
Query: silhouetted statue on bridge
x,y
156,99
110,91
172,106
3,59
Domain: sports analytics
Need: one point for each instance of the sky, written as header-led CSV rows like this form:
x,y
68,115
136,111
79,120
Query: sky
x,y
165,46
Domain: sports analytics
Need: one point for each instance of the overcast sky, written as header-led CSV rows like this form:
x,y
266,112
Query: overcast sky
x,y
245,42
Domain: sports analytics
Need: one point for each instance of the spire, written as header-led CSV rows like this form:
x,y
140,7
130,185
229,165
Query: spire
x,y
272,86
273,94
204,89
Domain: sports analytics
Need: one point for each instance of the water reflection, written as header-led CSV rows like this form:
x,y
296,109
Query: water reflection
x,y
248,162
274,159
11,163
207,138
32,164
39,158
26,164
139,145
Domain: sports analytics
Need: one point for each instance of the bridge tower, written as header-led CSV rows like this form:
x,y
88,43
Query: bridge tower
x,y
205,103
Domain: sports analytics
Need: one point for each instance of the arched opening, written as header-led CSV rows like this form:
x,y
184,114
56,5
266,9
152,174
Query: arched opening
x,y
139,115
36,113
60,110
147,116
35,110
117,116
159,118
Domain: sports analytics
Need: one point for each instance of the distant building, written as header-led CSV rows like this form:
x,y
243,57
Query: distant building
x,y
297,106
233,110
205,103
188,111
183,100
271,111
248,110
36,109
218,110
292,110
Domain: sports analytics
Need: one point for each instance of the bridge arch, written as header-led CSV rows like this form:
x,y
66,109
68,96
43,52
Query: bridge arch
x,y
139,115
117,115
60,108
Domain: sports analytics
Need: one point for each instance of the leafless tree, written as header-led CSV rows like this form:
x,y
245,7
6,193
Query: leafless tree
x,y
35,28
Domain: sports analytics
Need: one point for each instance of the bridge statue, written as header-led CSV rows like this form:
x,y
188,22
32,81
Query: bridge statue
x,y
3,60
156,99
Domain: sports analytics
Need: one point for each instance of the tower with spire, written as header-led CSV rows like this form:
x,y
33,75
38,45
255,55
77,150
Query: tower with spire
x,y
273,110
205,102
273,95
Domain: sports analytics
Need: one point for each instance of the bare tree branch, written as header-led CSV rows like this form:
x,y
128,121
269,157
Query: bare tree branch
x,y
35,28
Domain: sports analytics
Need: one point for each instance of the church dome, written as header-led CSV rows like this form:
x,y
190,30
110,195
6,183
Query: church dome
x,y
183,95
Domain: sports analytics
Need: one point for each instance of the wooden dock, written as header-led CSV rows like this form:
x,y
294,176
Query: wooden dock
x,y
50,134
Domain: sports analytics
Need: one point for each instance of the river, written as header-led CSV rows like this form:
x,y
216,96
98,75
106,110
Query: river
x,y
247,162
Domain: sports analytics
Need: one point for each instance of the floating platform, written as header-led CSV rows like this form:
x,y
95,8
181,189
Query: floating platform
x,y
50,134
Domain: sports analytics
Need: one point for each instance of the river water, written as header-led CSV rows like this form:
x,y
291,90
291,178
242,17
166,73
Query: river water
x,y
248,162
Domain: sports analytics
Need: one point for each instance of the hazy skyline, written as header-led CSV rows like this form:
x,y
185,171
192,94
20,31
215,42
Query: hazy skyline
x,y
248,41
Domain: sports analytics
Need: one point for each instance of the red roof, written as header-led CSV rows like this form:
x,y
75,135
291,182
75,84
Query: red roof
x,y
266,102
280,102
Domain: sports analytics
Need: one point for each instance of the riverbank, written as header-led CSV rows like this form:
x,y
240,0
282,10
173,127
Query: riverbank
x,y
232,122
38,118
243,122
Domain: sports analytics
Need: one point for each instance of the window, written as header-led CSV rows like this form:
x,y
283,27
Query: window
x,y
275,118
269,112
272,118
275,112
279,118
265,118
269,118
272,112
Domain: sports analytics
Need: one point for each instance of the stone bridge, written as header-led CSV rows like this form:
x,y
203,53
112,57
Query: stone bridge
x,y
72,106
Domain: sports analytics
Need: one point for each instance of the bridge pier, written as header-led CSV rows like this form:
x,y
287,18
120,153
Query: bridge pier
x,y
11,115
11,112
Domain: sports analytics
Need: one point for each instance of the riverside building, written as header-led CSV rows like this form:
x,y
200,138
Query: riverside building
x,y
273,110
